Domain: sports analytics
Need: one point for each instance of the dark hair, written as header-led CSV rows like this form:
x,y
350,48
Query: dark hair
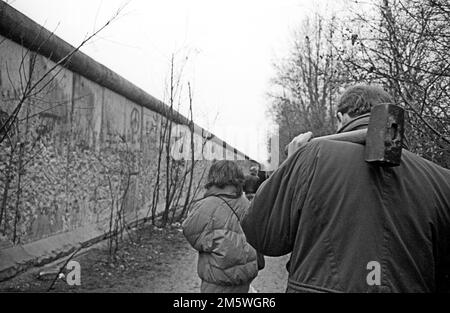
x,y
360,99
225,173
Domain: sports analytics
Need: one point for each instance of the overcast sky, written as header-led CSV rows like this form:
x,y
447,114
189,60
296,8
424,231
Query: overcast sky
x,y
230,47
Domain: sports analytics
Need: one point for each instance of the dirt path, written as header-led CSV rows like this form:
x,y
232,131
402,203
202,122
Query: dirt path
x,y
182,275
153,260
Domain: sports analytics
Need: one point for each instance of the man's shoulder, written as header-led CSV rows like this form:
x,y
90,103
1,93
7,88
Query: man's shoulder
x,y
424,165
332,148
335,150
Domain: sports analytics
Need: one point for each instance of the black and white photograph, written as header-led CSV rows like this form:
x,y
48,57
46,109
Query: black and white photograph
x,y
226,154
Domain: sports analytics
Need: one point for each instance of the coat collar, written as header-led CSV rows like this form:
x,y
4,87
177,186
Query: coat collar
x,y
227,191
362,122
359,122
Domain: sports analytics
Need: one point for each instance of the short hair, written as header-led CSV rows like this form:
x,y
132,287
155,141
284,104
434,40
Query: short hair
x,y
225,173
360,99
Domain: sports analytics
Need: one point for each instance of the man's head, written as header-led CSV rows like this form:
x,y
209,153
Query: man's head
x,y
253,170
358,100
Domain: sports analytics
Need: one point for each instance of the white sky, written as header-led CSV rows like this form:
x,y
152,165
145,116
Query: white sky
x,y
230,44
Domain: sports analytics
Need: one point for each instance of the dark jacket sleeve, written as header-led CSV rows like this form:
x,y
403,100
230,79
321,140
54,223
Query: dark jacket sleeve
x,y
272,219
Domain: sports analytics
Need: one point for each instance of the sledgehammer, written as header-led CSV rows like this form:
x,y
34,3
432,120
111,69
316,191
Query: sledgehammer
x,y
383,138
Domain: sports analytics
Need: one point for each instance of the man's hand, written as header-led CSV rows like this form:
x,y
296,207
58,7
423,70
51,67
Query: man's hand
x,y
298,141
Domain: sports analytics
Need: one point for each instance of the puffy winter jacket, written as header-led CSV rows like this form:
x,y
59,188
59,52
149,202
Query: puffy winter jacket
x,y
347,223
214,230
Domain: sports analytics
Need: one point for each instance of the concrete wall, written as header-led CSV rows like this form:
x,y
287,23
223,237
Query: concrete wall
x,y
85,139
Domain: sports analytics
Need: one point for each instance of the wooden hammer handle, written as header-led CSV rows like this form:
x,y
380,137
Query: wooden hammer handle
x,y
355,136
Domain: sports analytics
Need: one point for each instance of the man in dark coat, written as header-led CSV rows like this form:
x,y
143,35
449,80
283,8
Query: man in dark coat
x,y
351,226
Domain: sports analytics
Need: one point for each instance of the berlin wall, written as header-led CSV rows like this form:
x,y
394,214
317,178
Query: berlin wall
x,y
85,145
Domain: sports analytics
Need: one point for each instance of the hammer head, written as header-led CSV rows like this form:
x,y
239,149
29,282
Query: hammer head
x,y
385,134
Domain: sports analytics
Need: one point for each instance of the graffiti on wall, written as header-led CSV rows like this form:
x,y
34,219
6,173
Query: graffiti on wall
x,y
87,153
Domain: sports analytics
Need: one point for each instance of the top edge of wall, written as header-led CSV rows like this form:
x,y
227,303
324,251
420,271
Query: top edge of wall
x,y
21,29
